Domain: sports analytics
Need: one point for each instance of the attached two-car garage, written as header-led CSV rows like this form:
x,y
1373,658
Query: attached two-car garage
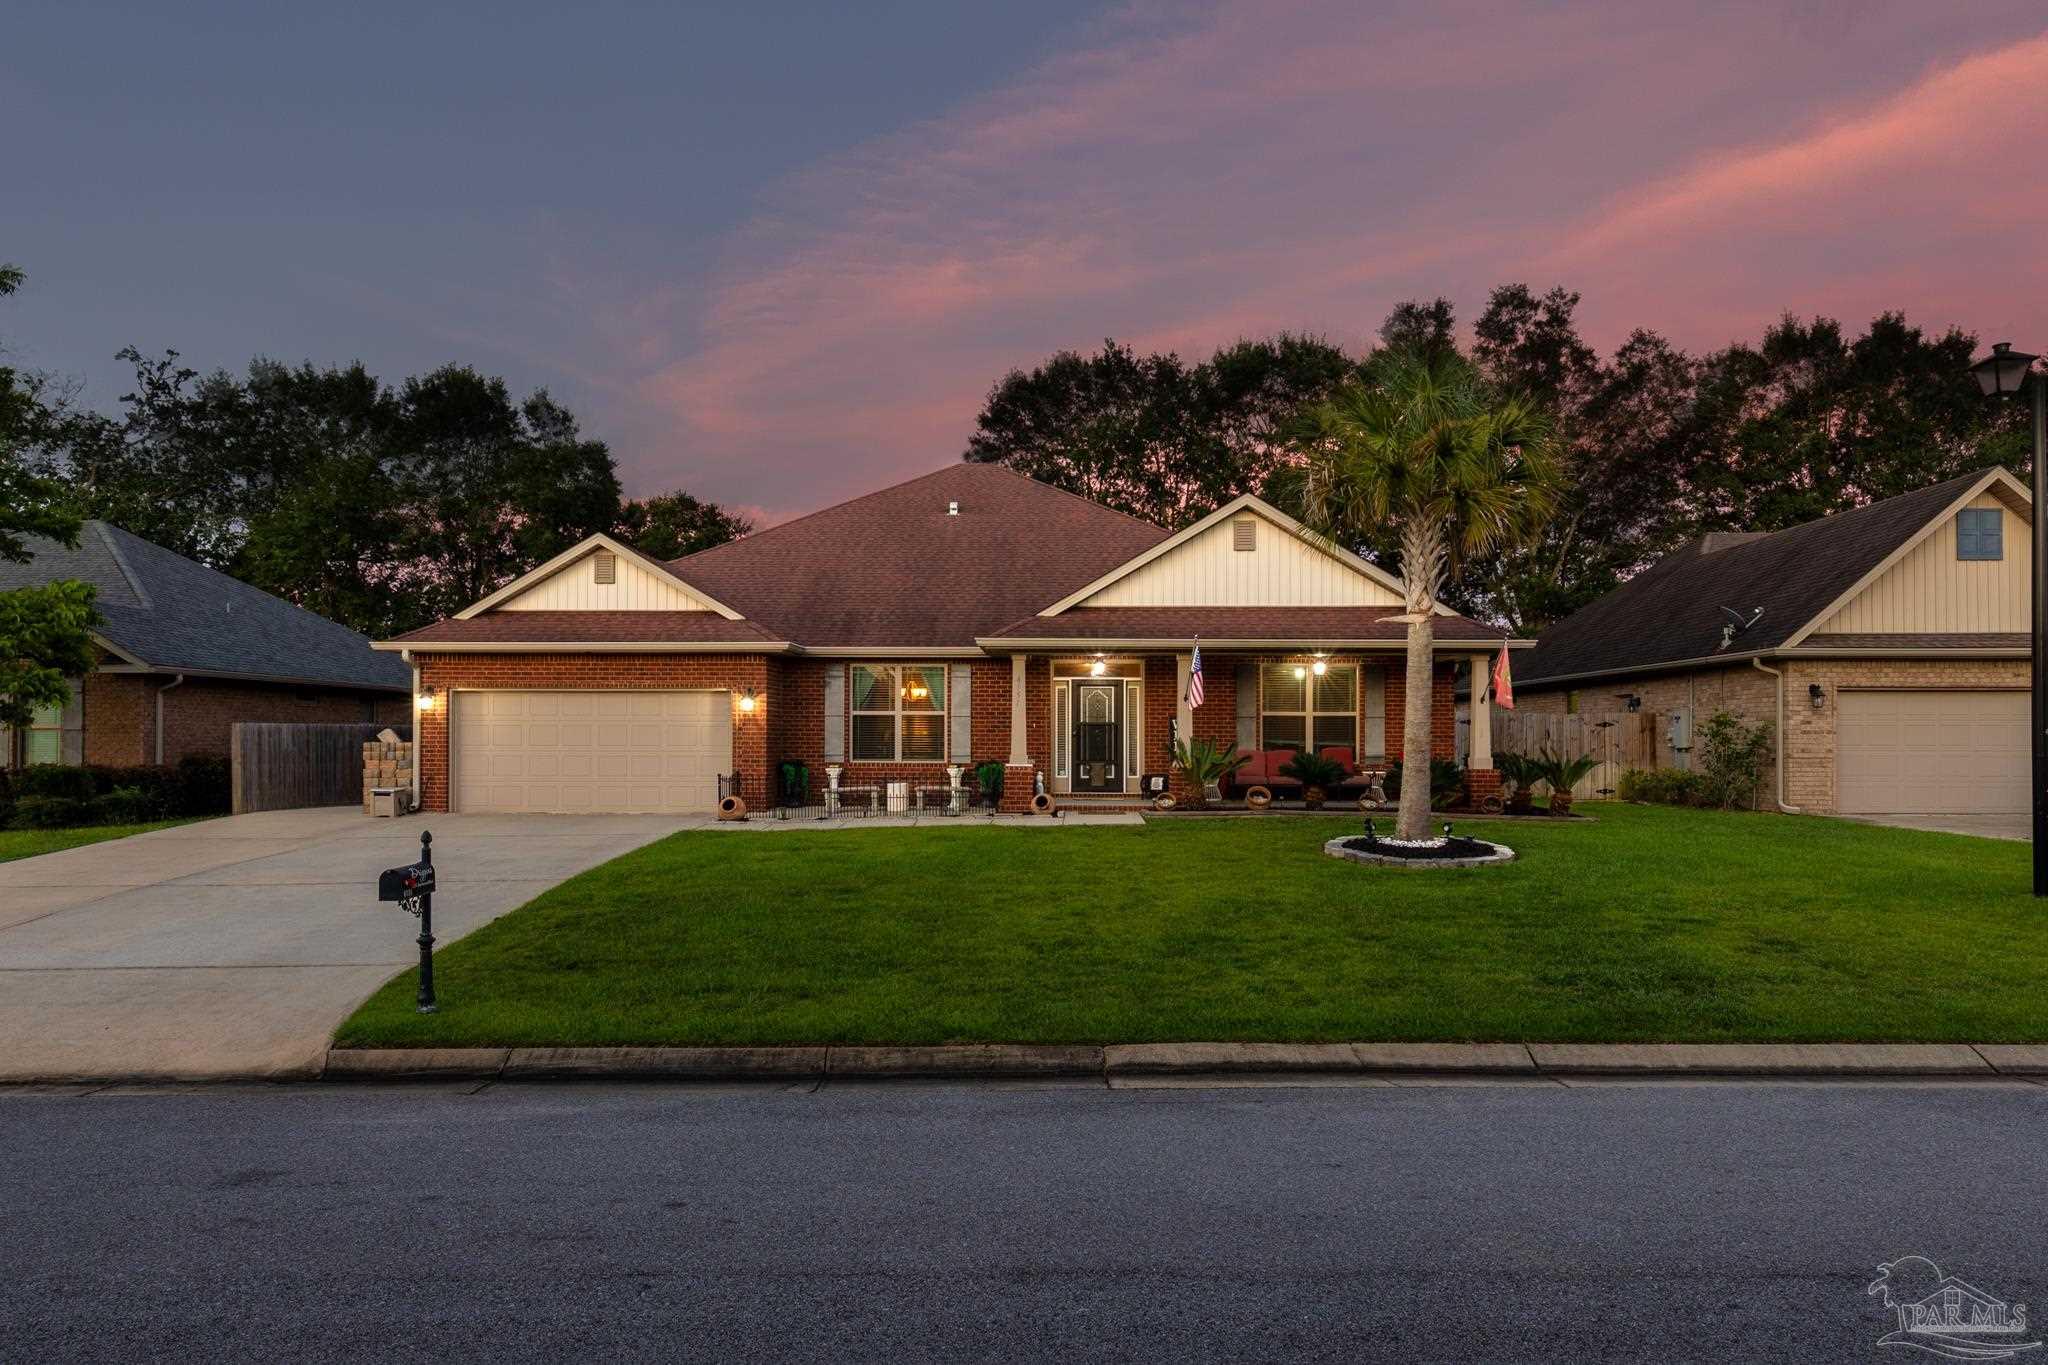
x,y
578,752
1933,752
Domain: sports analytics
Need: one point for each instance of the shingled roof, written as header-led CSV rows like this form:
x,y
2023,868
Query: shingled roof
x,y
172,614
1673,612
897,568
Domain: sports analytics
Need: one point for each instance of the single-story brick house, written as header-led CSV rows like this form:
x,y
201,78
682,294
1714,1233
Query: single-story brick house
x,y
1888,645
185,652
970,615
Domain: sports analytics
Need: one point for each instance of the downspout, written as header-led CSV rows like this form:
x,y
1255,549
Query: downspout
x,y
406,655
1779,738
175,682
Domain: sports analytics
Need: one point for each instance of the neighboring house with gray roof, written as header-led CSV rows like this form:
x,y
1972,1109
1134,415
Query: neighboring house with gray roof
x,y
1888,644
186,651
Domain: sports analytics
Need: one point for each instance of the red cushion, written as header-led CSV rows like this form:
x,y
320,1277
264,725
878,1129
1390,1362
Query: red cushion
x,y
1342,756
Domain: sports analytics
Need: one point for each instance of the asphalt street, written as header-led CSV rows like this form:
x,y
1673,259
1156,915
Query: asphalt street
x,y
952,1222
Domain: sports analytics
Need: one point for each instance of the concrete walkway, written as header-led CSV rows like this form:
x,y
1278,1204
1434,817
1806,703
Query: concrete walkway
x,y
2017,826
235,946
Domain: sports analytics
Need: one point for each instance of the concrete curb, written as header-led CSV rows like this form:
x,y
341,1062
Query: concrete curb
x,y
996,1060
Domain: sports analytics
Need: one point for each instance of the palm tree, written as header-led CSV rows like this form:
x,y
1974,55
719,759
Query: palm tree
x,y
1421,445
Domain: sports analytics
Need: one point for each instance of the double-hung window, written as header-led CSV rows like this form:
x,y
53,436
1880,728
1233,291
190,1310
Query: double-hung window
x,y
1311,710
899,713
43,740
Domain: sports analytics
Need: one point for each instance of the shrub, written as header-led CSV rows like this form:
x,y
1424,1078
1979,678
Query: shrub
x,y
203,786
1446,780
57,780
988,778
121,806
1732,760
48,812
158,785
1313,770
1661,786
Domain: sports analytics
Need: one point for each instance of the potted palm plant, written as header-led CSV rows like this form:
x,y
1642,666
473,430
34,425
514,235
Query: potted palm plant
x,y
1561,774
989,776
1518,772
1316,773
1206,766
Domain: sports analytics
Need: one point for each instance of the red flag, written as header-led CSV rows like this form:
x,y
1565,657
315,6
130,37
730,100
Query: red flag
x,y
1503,681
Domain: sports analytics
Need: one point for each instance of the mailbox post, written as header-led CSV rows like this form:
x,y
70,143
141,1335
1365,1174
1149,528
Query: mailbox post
x,y
413,888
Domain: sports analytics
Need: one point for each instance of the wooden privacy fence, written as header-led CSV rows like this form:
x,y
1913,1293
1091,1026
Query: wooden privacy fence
x,y
1627,739
284,767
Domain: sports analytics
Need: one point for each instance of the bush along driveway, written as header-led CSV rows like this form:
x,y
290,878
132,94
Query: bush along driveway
x,y
1648,924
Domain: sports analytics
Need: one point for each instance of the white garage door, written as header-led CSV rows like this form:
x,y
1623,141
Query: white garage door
x,y
590,751
1951,753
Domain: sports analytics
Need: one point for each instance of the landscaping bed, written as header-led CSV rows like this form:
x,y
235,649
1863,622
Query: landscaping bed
x,y
1644,924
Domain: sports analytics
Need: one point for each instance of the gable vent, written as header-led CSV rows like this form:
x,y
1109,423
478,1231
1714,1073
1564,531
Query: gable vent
x,y
1244,533
604,567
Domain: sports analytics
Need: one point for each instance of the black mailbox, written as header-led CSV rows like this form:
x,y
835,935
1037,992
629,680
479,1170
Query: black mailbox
x,y
403,883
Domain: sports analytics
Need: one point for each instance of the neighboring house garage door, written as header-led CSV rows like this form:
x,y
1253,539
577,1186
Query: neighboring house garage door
x,y
590,751
1950,753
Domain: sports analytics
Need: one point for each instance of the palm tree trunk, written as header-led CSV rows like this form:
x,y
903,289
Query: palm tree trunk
x,y
1422,560
1413,820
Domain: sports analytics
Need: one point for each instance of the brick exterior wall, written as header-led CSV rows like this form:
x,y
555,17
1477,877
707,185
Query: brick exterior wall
x,y
1216,719
1750,695
790,721
199,713
598,672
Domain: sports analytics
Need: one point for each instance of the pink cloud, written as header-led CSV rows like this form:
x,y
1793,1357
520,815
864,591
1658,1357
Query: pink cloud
x,y
1183,181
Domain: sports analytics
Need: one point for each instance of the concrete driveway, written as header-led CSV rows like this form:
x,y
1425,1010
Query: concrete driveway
x,y
235,946
2019,826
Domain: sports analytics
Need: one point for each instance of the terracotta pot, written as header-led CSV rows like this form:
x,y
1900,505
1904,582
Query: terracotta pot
x,y
1041,804
732,808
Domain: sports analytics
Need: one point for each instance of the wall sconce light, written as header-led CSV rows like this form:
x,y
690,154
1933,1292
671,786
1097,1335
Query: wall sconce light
x,y
1099,667
1815,695
748,701
425,700
1632,701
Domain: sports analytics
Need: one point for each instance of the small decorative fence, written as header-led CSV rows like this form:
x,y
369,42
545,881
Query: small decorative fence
x,y
287,766
818,800
1628,739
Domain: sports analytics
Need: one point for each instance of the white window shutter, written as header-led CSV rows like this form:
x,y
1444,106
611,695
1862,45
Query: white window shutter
x,y
1247,708
835,713
960,698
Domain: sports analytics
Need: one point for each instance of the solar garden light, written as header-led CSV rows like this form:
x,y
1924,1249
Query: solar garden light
x,y
412,887
2003,374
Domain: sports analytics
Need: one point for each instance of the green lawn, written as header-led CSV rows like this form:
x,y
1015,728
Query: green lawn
x,y
1647,924
27,843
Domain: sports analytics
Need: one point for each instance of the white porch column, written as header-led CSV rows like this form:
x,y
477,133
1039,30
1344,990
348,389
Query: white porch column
x,y
1184,727
1481,744
1020,748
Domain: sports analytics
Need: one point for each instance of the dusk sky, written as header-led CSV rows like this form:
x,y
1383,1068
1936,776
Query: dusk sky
x,y
776,254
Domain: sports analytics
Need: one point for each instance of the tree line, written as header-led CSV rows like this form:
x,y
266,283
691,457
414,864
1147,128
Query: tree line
x,y
1656,445
381,506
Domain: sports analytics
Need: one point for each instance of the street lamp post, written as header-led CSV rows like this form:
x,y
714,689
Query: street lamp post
x,y
2002,374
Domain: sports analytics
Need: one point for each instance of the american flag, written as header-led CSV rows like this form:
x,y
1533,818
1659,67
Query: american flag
x,y
1195,678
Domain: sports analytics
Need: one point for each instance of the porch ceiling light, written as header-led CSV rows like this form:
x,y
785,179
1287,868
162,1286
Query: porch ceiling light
x,y
1099,667
1320,666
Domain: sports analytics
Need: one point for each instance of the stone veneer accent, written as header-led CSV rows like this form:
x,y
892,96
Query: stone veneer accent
x,y
1811,737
